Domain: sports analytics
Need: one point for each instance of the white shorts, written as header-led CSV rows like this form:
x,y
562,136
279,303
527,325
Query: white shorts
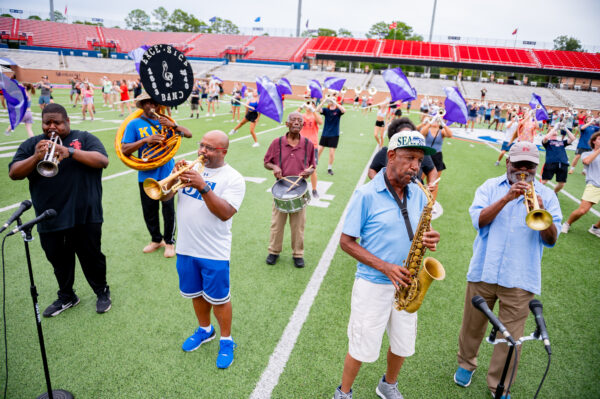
x,y
372,313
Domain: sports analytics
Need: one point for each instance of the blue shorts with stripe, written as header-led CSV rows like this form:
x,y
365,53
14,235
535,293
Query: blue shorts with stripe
x,y
207,278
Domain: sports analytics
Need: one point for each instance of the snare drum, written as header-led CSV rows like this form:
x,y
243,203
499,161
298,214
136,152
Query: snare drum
x,y
290,200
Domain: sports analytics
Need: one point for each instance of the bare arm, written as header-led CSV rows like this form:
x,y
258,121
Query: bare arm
x,y
590,158
128,148
275,168
398,275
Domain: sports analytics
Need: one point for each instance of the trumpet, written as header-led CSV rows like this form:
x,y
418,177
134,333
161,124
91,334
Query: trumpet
x,y
48,167
157,190
372,91
537,219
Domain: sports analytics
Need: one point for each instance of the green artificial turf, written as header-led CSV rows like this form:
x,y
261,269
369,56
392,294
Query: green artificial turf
x,y
134,351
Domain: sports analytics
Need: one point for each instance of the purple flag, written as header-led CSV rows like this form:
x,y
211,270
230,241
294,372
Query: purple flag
x,y
400,88
269,102
456,107
334,83
243,91
259,83
284,86
315,89
541,114
136,55
16,99
217,79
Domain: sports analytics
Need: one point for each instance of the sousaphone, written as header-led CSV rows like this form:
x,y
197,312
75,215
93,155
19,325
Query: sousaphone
x,y
168,79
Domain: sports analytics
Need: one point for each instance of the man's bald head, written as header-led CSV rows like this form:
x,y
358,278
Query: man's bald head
x,y
218,137
293,114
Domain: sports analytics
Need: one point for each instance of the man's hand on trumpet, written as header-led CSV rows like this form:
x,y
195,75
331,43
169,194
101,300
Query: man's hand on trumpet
x,y
191,178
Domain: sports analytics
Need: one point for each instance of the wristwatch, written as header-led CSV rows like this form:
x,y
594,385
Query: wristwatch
x,y
71,151
205,189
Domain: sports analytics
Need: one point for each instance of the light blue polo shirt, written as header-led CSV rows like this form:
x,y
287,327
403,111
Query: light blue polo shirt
x,y
375,218
507,252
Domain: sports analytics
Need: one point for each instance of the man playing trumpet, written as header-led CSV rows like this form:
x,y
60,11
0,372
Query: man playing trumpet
x,y
74,190
139,134
208,199
506,262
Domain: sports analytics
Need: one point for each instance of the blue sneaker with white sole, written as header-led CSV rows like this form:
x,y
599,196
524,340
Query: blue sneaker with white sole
x,y
198,338
463,377
225,357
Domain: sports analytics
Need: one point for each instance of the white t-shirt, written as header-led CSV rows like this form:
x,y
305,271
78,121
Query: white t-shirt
x,y
200,233
510,131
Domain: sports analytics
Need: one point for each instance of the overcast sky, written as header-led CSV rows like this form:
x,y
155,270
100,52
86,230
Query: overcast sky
x,y
538,20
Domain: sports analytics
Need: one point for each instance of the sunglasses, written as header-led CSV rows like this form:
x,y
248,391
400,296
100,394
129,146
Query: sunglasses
x,y
526,164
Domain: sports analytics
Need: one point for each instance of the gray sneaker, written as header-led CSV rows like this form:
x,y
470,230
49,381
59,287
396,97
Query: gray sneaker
x,y
388,391
341,395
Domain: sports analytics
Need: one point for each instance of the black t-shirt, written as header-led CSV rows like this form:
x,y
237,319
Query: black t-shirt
x,y
380,161
75,193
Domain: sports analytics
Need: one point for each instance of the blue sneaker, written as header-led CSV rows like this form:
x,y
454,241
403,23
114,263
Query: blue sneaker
x,y
505,396
198,338
225,357
463,377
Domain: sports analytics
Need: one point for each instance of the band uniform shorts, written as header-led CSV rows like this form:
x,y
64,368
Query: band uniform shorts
x,y
506,146
208,278
555,168
379,123
329,141
373,313
591,194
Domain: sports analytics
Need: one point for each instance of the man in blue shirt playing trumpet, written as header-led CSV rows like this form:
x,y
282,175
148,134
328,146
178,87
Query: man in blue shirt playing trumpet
x,y
507,254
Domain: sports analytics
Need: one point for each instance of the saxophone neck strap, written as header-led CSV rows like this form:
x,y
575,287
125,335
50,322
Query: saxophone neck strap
x,y
401,204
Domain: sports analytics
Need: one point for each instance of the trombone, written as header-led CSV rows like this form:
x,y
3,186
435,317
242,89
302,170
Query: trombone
x,y
157,190
48,167
537,218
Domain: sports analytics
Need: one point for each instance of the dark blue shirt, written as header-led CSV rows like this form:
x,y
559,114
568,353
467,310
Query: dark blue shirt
x,y
586,134
555,151
331,128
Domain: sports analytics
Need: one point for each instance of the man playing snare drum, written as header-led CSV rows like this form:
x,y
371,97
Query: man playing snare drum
x,y
289,155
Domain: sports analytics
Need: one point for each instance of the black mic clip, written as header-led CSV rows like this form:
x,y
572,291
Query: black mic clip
x,y
492,338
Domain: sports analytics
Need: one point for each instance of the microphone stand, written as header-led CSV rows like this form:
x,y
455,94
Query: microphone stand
x,y
59,393
492,340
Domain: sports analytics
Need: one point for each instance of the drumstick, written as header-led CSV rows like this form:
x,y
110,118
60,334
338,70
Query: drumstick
x,y
294,183
436,181
287,180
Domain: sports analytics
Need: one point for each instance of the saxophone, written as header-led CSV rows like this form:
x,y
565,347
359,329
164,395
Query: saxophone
x,y
422,272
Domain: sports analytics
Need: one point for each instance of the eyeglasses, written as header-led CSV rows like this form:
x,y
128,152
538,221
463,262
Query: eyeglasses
x,y
526,164
209,148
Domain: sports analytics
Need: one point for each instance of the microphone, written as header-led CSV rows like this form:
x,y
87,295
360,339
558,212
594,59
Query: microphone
x,y
25,205
482,306
536,308
47,214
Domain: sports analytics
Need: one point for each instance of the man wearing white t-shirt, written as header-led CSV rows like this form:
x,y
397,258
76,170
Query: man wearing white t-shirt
x,y
511,127
206,204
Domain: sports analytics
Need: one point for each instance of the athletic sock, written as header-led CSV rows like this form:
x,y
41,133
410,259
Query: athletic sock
x,y
329,167
227,338
206,329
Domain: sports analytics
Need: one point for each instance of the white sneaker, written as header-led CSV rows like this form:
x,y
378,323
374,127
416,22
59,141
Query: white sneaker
x,y
497,163
207,114
565,228
214,114
595,231
232,132
256,144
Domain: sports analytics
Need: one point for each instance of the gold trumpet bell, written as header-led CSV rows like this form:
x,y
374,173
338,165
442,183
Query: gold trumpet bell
x,y
538,219
152,188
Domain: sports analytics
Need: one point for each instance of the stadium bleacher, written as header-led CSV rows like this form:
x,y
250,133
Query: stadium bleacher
x,y
495,55
572,60
129,40
338,45
275,48
215,46
241,72
416,50
58,35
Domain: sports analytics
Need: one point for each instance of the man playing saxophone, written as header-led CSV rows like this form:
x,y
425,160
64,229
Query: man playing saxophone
x,y
386,234
506,262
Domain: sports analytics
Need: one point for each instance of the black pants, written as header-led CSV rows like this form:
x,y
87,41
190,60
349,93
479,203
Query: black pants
x,y
150,209
62,246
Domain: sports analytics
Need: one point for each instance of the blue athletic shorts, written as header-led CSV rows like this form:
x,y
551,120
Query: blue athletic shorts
x,y
204,277
44,100
505,146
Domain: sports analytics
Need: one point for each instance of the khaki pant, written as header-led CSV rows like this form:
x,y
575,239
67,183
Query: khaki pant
x,y
297,222
514,309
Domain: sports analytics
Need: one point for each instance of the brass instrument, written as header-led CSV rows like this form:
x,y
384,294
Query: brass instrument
x,y
48,167
153,156
537,218
410,298
358,90
372,91
344,90
160,189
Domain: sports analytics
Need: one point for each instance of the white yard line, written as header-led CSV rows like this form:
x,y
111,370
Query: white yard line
x,y
126,172
563,191
280,356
